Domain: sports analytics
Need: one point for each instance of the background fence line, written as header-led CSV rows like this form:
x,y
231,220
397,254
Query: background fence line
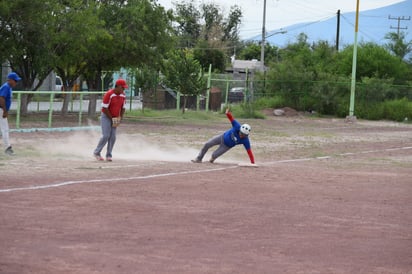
x,y
326,97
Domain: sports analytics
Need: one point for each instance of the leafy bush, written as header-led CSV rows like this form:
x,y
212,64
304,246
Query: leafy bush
x,y
376,90
398,110
269,102
395,110
246,110
369,111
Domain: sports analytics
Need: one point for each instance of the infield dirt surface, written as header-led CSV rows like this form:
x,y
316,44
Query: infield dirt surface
x,y
328,197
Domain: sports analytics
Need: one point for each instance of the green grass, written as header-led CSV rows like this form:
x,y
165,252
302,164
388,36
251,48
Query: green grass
x,y
174,116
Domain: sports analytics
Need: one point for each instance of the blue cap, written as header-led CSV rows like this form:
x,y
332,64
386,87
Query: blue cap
x,y
13,76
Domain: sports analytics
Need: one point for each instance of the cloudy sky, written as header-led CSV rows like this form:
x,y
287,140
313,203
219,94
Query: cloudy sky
x,y
282,13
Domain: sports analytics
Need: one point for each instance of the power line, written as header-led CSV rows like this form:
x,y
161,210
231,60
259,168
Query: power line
x,y
398,28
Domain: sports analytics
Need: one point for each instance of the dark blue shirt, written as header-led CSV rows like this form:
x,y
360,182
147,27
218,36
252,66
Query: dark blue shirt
x,y
6,92
232,138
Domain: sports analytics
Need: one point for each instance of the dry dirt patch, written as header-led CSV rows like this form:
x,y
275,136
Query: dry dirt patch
x,y
328,197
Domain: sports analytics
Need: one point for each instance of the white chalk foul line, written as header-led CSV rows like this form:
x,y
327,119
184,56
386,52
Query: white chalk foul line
x,y
341,154
113,179
190,172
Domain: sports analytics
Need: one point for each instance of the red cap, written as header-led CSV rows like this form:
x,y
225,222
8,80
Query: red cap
x,y
121,83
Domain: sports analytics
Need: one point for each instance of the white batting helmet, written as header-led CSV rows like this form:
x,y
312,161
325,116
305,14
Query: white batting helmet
x,y
245,129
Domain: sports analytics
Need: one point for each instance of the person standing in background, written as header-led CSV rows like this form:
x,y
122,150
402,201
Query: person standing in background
x,y
113,107
6,91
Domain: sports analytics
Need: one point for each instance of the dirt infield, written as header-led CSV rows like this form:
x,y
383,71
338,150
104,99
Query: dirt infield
x,y
327,197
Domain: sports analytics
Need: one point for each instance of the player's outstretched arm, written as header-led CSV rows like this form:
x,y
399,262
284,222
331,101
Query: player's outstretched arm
x,y
251,157
229,115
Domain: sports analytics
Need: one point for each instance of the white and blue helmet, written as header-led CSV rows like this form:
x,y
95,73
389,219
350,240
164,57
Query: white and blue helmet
x,y
245,129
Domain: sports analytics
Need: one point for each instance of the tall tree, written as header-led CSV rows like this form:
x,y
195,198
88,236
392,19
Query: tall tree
x,y
397,44
78,26
209,56
232,24
184,74
213,22
26,28
373,61
139,33
252,50
188,26
208,30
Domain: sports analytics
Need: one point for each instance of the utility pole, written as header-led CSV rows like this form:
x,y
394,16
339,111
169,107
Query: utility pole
x,y
337,30
351,116
399,22
262,50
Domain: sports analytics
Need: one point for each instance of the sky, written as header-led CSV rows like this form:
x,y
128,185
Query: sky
x,y
283,13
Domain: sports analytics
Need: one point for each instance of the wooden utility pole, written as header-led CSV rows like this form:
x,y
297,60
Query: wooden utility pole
x,y
398,28
337,30
351,116
262,49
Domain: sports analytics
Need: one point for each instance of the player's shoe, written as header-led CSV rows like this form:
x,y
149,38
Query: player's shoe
x,y
212,160
9,151
196,161
98,157
109,159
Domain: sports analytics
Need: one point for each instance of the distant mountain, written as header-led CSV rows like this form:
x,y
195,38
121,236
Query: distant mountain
x,y
373,26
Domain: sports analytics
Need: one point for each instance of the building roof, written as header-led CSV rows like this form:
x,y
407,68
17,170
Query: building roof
x,y
246,64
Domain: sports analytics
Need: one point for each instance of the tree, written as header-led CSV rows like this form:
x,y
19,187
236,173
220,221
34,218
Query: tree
x,y
209,56
372,61
213,21
397,44
77,27
27,40
139,32
215,37
147,78
231,24
184,74
188,29
252,50
77,37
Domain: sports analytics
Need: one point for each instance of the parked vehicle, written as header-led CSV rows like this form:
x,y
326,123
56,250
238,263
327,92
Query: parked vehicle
x,y
236,94
58,84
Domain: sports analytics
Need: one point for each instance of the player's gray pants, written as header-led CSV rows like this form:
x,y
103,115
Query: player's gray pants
x,y
214,141
108,136
4,126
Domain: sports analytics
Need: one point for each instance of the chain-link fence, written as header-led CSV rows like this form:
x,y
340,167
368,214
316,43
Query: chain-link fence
x,y
377,99
326,97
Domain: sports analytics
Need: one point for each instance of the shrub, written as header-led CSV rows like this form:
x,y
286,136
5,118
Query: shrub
x,y
269,102
398,110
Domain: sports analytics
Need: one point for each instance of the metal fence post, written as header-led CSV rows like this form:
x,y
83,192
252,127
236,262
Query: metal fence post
x,y
18,110
80,108
51,109
178,100
208,87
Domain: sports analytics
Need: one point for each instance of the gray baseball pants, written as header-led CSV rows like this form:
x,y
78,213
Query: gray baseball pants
x,y
4,126
214,141
108,136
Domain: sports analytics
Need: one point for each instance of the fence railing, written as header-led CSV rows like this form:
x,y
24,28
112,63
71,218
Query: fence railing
x,y
52,101
303,95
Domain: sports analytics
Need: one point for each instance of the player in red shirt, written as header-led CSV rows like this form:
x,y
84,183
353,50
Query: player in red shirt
x,y
113,107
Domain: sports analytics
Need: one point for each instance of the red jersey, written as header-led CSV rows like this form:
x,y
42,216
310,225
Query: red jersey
x,y
114,102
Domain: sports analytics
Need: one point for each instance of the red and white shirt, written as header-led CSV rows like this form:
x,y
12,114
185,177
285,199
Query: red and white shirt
x,y
114,102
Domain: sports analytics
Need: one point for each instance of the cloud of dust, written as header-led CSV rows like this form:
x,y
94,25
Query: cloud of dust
x,y
128,147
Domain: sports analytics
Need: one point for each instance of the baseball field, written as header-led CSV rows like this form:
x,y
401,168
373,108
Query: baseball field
x,y
327,196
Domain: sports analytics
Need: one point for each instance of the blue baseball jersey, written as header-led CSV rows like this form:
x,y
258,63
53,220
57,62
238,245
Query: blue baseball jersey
x,y
231,137
6,92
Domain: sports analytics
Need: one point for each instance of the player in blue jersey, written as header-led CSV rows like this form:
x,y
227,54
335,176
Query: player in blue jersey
x,y
6,91
237,135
